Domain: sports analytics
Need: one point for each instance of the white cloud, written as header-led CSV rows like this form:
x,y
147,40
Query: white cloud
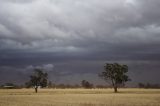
x,y
48,67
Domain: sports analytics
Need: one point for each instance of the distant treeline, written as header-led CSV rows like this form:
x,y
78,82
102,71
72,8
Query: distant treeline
x,y
84,84
64,86
61,86
148,85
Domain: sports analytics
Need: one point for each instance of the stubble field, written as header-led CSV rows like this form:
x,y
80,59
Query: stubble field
x,y
80,97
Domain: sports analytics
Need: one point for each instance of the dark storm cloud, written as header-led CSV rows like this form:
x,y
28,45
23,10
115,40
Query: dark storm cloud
x,y
81,33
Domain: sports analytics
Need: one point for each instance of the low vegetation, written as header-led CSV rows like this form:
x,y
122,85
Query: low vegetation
x,y
80,97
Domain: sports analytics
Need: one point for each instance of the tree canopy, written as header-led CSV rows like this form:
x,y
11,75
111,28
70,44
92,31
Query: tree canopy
x,y
39,78
116,74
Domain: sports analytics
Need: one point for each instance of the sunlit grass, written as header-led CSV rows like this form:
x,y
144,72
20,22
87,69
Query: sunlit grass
x,y
80,97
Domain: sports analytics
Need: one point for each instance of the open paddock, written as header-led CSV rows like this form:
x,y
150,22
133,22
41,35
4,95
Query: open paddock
x,y
80,97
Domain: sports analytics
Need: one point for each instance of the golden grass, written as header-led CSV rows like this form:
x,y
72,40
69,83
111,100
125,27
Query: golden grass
x,y
80,97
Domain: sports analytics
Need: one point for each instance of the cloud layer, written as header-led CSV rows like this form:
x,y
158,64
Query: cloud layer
x,y
37,32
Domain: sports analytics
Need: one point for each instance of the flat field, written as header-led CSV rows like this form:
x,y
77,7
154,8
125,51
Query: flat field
x,y
80,97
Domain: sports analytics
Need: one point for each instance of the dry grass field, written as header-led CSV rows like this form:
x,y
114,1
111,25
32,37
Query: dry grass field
x,y
80,97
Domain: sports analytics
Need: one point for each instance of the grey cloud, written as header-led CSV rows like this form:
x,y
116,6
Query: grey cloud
x,y
58,26
36,32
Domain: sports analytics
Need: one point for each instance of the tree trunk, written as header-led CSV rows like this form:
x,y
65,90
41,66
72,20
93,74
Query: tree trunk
x,y
115,89
36,89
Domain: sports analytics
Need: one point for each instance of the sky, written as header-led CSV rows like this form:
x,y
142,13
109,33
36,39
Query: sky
x,y
73,39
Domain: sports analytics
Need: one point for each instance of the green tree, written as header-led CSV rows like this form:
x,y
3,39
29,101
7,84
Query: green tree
x,y
39,78
115,74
